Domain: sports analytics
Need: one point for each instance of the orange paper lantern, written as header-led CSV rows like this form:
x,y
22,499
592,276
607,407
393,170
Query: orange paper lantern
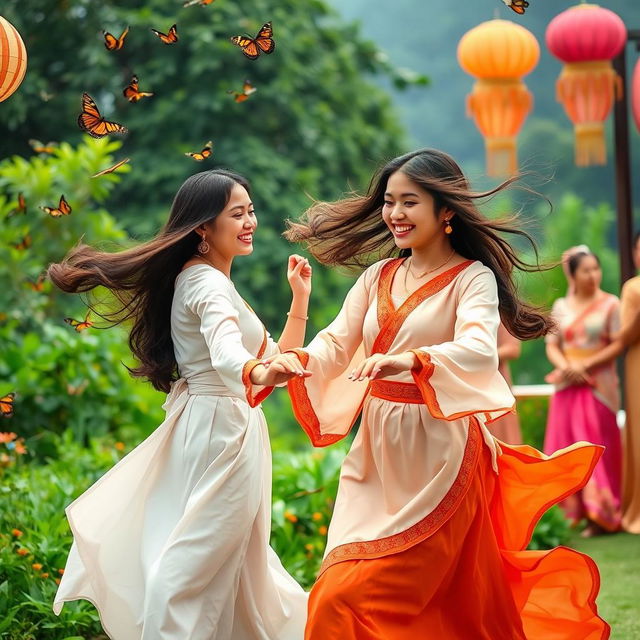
x,y
13,59
586,38
499,53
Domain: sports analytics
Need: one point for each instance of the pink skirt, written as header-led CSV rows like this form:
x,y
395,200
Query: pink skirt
x,y
576,414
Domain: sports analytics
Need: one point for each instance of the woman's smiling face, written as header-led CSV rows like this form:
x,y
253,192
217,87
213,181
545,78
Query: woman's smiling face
x,y
409,212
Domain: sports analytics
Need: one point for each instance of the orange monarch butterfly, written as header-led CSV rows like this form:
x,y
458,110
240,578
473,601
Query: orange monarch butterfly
x,y
36,285
112,43
171,37
262,43
6,405
80,325
38,147
131,92
21,207
63,209
518,6
111,169
247,90
202,3
25,243
204,154
93,123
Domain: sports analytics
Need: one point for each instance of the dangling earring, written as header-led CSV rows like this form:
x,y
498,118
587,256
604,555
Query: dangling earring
x,y
448,229
203,247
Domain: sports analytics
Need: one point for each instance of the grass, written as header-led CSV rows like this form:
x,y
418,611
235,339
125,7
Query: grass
x,y
618,558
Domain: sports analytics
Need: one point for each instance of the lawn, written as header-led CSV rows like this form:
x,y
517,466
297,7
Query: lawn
x,y
618,557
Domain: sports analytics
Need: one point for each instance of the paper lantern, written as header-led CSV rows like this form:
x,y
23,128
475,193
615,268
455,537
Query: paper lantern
x,y
586,38
499,53
13,59
635,95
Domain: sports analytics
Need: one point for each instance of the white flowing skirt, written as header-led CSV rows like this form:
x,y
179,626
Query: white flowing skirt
x,y
173,542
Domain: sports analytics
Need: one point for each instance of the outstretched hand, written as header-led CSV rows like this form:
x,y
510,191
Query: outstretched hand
x,y
299,274
380,365
278,369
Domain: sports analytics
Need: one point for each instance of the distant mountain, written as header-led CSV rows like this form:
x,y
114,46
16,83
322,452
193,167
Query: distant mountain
x,y
423,35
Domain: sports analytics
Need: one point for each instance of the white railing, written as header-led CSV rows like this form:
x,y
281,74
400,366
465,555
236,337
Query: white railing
x,y
521,391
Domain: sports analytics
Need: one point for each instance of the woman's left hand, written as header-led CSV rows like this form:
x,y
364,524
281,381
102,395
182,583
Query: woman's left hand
x,y
380,365
299,276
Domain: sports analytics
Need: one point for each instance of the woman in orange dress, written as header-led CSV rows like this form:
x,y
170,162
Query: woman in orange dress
x,y
432,516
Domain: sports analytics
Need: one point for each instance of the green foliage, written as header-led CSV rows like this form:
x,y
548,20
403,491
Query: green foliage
x,y
532,413
572,222
62,378
553,530
316,125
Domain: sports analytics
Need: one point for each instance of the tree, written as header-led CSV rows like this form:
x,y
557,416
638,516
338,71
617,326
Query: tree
x,y
314,127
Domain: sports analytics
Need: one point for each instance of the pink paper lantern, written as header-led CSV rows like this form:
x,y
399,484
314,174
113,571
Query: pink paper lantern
x,y
635,95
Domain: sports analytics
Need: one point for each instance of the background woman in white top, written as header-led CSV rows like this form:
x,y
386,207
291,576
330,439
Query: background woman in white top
x,y
173,542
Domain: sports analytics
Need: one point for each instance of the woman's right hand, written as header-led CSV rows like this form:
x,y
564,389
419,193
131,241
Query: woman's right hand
x,y
576,374
278,369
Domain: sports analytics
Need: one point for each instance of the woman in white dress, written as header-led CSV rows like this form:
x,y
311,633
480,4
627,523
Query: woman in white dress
x,y
173,542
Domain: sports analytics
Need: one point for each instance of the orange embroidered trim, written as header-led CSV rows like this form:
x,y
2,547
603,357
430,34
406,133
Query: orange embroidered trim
x,y
425,527
303,410
396,391
391,319
421,375
253,401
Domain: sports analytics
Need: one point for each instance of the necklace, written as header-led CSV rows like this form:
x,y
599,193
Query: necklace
x,y
421,275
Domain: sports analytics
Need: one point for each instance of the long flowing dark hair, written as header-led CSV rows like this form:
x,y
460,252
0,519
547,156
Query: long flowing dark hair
x,y
352,233
142,278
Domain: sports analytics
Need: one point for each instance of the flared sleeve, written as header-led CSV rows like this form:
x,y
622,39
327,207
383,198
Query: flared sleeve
x,y
212,302
460,377
327,404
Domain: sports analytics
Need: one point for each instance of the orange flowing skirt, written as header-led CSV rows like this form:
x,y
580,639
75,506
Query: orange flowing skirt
x,y
472,578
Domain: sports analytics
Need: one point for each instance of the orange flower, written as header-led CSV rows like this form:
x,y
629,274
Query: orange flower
x,y
36,566
291,517
322,530
119,446
308,547
60,571
16,533
44,575
56,580
22,551
7,436
317,516
20,448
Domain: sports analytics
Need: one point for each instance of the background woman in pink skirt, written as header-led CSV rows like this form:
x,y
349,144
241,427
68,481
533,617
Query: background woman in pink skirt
x,y
584,405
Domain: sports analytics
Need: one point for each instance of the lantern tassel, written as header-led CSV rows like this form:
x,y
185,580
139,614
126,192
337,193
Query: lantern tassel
x,y
587,91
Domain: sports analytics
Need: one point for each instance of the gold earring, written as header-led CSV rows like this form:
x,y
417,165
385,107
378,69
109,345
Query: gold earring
x,y
203,247
448,229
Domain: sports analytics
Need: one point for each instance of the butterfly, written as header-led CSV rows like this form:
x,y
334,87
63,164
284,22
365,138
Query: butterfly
x,y
80,325
247,90
518,6
171,37
38,147
63,209
112,43
204,154
36,285
25,243
93,123
202,3
21,207
111,169
6,405
262,43
131,92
